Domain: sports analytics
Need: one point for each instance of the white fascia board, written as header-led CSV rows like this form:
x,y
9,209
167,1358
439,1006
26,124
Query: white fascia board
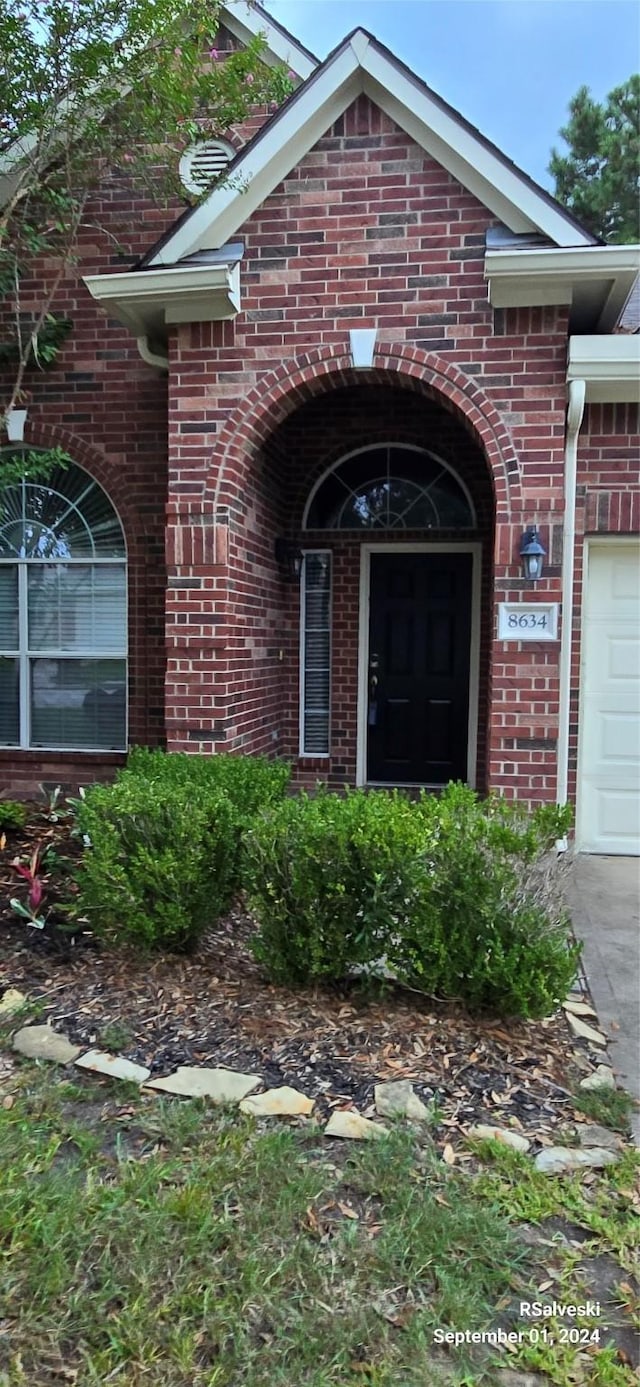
x,y
467,158
245,23
596,262
146,300
275,154
609,366
554,275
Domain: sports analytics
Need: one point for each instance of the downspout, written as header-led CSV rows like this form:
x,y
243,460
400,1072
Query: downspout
x,y
575,412
161,363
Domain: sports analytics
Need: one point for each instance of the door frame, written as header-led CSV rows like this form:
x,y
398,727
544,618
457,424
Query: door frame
x,y
445,547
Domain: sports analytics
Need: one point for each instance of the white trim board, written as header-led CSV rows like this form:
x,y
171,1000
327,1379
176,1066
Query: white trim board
x,y
443,547
362,65
246,22
609,366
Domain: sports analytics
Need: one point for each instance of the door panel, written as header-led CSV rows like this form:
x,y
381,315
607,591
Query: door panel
x,y
609,750
419,649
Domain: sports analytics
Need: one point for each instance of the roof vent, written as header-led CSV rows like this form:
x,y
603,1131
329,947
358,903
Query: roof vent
x,y
202,163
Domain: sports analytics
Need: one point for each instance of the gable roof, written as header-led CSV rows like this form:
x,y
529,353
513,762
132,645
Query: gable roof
x,y
245,21
360,64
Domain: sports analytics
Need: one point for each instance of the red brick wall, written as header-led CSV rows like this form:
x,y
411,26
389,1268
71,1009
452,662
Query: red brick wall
x,y
107,409
368,231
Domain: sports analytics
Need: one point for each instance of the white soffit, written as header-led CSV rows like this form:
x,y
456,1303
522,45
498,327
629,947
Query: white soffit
x,y
246,21
609,366
362,66
146,301
596,278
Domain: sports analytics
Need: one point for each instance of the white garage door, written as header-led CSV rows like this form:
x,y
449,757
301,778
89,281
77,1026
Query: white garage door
x,y
608,819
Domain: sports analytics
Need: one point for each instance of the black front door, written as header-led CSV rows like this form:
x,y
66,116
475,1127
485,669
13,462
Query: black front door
x,y
418,677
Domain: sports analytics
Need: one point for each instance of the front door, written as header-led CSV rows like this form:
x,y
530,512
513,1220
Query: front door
x,y
419,661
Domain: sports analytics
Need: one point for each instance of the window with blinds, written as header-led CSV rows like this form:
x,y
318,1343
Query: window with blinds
x,y
63,616
315,653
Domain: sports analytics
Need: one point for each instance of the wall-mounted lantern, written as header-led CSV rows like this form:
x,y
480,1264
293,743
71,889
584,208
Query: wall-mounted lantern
x,y
532,553
288,558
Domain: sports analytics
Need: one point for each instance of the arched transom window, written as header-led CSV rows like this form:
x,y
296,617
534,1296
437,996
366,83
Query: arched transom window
x,y
63,615
391,487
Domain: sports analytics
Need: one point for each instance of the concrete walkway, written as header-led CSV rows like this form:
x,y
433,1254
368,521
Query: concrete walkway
x,y
603,895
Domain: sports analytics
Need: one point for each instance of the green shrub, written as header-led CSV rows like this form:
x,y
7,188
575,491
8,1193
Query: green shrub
x,y
330,880
12,814
454,895
487,928
250,783
159,864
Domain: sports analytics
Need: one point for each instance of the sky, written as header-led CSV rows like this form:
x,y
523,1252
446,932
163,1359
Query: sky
x,y
509,66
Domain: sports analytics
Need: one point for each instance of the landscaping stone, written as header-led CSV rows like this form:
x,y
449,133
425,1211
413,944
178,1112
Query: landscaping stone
x,y
508,1378
220,1085
555,1160
584,1031
593,1134
99,1062
397,1099
601,1078
578,1008
508,1138
353,1127
43,1043
278,1102
12,1001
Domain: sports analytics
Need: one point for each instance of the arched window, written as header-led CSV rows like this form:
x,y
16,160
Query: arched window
x,y
393,487
63,615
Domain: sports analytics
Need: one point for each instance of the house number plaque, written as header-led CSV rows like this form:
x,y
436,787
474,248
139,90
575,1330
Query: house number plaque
x,y
527,621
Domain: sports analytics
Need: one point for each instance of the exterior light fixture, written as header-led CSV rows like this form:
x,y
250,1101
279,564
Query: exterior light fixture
x,y
288,558
532,553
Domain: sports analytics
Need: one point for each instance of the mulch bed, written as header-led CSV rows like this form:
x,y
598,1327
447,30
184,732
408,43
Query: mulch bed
x,y
334,1044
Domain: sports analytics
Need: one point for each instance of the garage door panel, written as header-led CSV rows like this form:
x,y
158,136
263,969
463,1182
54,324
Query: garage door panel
x,y
609,735
620,741
619,815
624,657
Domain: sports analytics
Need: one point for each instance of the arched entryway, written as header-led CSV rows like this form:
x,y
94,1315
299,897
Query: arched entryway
x,y
236,622
385,493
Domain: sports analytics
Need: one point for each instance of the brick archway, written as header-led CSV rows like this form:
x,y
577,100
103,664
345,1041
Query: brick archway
x,y
294,382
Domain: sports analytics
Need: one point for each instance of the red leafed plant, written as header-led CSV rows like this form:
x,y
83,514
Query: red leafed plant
x,y
32,873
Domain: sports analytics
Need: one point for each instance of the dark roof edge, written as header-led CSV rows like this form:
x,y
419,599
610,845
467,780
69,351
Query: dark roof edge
x,y
259,9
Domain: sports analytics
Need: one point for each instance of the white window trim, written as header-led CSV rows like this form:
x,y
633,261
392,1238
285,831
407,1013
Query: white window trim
x,y
366,550
313,755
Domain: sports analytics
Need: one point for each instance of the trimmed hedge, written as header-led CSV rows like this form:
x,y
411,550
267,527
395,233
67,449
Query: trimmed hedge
x,y
158,867
329,878
451,893
164,843
249,782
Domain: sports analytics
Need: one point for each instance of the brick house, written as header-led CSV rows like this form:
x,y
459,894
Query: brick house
x,y
311,427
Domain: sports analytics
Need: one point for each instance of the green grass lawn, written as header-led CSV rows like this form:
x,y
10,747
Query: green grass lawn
x,y
163,1242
